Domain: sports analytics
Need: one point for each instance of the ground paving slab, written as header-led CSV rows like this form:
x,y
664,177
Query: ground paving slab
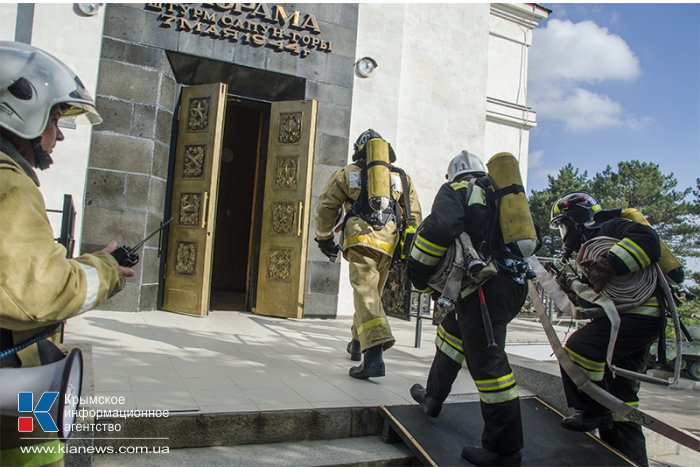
x,y
237,362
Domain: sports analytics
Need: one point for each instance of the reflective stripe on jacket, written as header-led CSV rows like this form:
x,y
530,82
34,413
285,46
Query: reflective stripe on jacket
x,y
638,246
340,191
38,285
456,209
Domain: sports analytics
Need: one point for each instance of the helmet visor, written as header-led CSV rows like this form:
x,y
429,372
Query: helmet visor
x,y
81,113
555,222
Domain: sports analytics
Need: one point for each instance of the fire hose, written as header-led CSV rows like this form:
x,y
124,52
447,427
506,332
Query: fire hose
x,y
583,383
623,293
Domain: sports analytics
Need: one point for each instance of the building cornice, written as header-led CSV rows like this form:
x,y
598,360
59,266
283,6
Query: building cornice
x,y
528,15
507,113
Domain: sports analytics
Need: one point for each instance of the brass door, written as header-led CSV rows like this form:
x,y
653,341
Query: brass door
x,y
195,186
285,224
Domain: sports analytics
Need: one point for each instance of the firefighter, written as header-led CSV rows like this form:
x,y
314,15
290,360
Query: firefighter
x,y
38,285
381,204
461,205
638,246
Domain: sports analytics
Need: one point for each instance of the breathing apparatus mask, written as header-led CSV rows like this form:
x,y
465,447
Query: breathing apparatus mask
x,y
571,214
571,237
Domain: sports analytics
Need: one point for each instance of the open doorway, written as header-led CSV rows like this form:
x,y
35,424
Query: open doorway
x,y
236,240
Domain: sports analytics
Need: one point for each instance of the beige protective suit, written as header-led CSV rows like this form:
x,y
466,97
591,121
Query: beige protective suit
x,y
368,251
38,287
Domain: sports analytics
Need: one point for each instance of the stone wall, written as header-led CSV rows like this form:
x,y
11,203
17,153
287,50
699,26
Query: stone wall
x,y
127,177
127,174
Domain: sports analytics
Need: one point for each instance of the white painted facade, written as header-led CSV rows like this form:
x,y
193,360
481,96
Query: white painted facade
x,y
76,39
450,77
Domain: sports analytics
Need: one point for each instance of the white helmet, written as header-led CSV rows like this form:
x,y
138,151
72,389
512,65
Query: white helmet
x,y
464,162
32,82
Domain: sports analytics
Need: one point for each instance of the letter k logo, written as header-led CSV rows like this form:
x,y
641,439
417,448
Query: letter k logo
x,y
25,403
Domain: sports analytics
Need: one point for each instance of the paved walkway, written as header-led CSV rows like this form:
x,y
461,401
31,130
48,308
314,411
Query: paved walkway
x,y
237,362
161,360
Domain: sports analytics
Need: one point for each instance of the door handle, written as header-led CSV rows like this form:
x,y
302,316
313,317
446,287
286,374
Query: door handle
x,y
299,219
205,208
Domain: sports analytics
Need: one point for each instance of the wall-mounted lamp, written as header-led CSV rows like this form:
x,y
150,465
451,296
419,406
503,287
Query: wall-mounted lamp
x,y
365,67
88,9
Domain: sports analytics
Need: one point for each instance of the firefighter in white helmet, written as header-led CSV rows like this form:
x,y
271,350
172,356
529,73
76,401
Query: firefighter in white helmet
x,y
39,286
475,329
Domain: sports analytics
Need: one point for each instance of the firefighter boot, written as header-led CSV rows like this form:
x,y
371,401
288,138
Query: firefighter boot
x,y
372,366
354,350
480,456
431,407
584,421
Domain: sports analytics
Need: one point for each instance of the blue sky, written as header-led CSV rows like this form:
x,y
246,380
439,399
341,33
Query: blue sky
x,y
616,82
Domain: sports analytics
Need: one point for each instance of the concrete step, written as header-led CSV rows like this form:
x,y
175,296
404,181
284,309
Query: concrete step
x,y
360,451
241,428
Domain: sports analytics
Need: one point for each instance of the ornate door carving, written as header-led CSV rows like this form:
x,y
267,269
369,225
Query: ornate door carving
x,y
193,205
285,224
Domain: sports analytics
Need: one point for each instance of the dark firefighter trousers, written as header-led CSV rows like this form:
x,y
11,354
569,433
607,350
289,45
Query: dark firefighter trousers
x,y
588,347
461,336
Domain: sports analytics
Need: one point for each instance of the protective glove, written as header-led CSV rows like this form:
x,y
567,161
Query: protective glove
x,y
598,271
328,248
418,275
565,279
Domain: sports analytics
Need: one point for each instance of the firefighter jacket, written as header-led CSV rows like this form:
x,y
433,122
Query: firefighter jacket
x,y
342,189
638,247
38,285
456,209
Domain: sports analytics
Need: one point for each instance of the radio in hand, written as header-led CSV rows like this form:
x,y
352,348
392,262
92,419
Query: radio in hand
x,y
128,256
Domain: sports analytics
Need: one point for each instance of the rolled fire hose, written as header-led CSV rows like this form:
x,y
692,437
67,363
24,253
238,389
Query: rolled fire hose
x,y
626,293
580,379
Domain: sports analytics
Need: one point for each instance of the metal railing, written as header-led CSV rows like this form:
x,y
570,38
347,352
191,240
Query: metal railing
x,y
402,301
67,235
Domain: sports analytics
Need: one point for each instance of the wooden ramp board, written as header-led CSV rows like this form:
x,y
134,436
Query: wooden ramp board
x,y
439,441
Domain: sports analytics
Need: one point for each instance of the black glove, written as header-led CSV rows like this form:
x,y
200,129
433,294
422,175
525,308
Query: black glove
x,y
418,274
564,279
598,271
328,248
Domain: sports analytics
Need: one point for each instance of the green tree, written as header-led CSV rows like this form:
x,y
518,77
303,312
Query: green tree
x,y
689,310
695,205
635,184
674,214
642,185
